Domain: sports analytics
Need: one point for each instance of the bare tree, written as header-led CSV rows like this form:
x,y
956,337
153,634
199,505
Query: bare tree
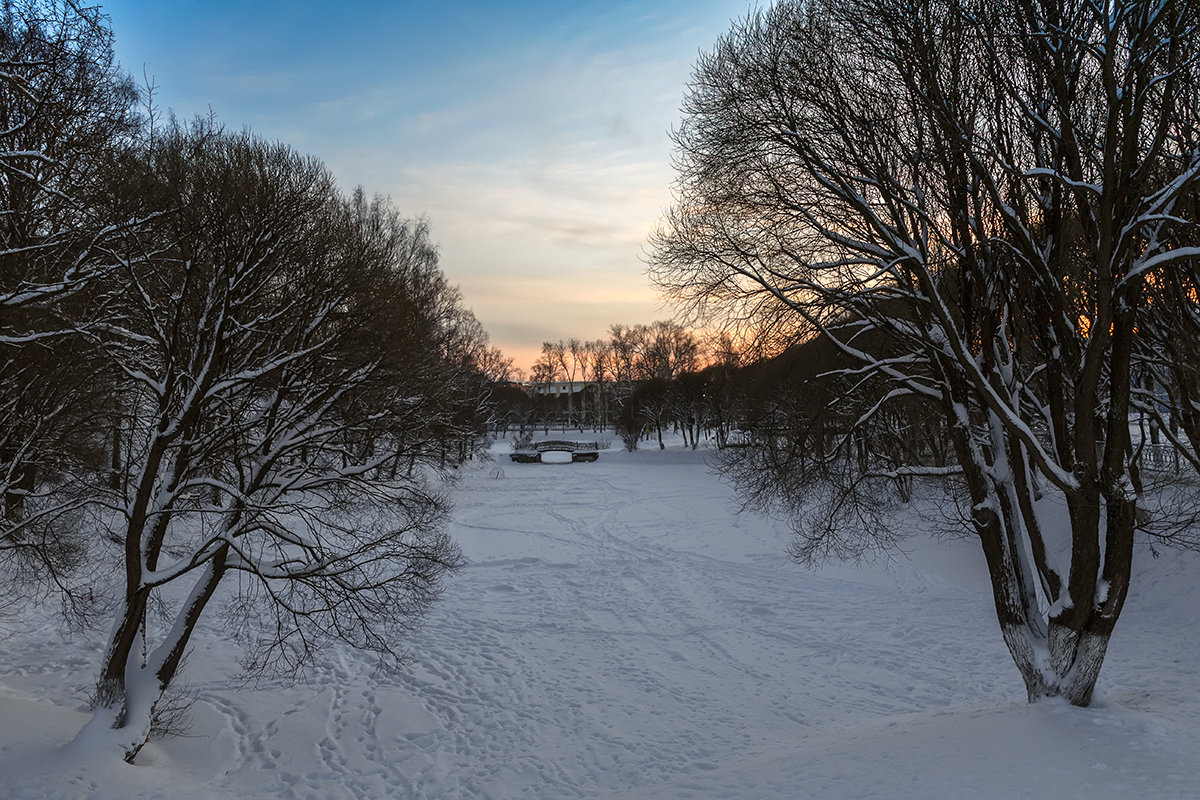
x,y
665,350
597,369
625,344
65,114
257,343
568,353
723,385
971,201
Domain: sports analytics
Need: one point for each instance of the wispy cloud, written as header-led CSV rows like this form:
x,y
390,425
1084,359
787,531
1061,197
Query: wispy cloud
x,y
532,134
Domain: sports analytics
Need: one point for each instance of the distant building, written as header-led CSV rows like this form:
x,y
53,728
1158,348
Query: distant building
x,y
554,388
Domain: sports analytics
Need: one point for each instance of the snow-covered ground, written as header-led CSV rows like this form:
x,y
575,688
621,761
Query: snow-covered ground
x,y
622,632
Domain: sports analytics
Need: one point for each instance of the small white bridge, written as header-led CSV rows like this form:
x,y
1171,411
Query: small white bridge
x,y
580,451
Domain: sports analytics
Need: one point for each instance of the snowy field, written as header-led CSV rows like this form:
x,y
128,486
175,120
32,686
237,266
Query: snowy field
x,y
621,631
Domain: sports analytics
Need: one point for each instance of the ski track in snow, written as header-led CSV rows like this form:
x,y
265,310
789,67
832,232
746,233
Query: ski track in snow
x,y
621,632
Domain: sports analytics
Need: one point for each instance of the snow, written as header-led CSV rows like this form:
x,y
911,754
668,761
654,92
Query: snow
x,y
621,631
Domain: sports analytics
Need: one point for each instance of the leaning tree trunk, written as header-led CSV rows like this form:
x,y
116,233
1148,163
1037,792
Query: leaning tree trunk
x,y
132,681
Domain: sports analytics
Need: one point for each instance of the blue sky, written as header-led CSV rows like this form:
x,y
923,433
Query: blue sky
x,y
532,135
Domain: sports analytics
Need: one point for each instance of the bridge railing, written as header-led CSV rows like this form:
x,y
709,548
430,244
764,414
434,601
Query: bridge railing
x,y
565,446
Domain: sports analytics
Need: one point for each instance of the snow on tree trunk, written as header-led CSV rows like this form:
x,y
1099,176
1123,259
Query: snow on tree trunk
x,y
1058,651
132,682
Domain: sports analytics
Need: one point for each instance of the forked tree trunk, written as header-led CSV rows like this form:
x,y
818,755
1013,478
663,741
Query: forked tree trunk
x,y
1058,652
1060,656
1064,664
132,681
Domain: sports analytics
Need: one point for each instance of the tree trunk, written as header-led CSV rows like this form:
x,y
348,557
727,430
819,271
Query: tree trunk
x,y
115,462
122,704
1062,656
14,499
131,684
1065,664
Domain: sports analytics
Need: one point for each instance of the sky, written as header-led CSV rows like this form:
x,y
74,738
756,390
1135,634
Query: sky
x,y
533,136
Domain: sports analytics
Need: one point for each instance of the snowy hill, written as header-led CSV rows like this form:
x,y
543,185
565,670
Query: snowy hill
x,y
621,631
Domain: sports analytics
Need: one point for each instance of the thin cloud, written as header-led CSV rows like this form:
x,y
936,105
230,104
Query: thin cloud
x,y
533,135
